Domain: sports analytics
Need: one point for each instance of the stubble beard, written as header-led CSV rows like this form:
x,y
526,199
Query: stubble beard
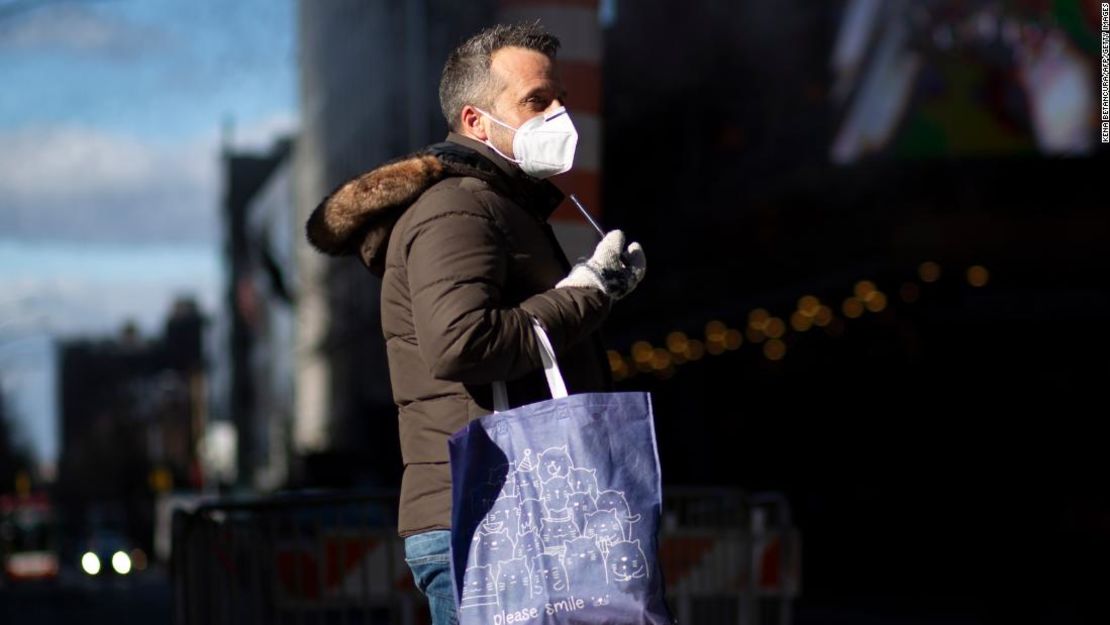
x,y
502,138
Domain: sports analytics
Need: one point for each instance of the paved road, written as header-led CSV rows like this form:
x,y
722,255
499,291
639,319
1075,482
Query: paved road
x,y
76,599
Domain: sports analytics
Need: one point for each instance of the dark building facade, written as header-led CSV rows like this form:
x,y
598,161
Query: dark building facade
x,y
257,280
866,335
131,410
368,82
252,339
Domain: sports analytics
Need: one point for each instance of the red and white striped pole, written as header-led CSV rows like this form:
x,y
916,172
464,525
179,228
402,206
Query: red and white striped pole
x,y
576,24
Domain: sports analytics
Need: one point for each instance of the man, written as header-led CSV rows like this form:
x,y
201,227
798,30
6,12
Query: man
x,y
458,234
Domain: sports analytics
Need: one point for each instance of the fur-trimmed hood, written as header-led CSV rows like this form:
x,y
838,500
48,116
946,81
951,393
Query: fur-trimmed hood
x,y
358,217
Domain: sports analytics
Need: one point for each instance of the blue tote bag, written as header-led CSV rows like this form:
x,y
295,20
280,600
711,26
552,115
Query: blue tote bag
x,y
556,510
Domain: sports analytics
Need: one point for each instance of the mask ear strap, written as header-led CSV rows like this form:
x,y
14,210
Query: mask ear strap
x,y
500,153
495,120
490,143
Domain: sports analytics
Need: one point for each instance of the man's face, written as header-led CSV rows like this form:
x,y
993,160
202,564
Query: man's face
x,y
526,85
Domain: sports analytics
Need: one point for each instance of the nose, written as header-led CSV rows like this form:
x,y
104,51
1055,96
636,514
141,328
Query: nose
x,y
555,104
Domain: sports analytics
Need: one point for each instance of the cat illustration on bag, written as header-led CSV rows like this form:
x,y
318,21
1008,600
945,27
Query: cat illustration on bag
x,y
580,504
552,532
583,481
554,494
614,500
491,548
526,478
479,588
554,462
604,527
528,546
504,515
526,484
548,575
585,565
555,532
626,562
529,516
514,584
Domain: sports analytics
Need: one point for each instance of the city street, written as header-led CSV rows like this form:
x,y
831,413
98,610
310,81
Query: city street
x,y
77,599
340,311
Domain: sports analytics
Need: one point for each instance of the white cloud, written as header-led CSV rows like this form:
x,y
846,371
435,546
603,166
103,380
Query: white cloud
x,y
71,308
81,184
260,135
97,228
77,29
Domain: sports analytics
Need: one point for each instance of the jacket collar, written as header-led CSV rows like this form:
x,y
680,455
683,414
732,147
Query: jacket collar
x,y
358,217
539,197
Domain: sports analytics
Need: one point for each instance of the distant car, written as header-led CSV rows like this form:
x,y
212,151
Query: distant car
x,y
110,554
28,539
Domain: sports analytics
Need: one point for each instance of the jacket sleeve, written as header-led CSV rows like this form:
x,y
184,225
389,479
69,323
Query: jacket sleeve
x,y
457,265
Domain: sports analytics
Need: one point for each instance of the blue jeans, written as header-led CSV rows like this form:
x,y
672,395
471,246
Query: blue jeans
x,y
428,555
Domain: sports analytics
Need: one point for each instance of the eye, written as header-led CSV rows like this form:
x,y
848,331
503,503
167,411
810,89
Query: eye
x,y
539,103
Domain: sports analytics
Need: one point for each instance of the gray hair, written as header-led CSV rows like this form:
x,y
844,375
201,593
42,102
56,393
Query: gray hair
x,y
466,76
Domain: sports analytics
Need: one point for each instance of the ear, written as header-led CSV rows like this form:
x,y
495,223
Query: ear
x,y
472,123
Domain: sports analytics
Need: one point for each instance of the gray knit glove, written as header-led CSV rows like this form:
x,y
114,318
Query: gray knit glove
x,y
614,268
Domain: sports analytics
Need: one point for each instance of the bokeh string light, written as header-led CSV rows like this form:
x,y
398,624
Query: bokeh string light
x,y
768,333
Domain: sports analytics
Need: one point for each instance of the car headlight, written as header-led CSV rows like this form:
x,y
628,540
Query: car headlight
x,y
121,562
90,563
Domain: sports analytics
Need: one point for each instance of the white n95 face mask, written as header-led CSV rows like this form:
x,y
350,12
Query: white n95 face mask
x,y
544,145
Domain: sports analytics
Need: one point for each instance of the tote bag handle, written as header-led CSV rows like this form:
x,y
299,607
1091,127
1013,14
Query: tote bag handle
x,y
550,369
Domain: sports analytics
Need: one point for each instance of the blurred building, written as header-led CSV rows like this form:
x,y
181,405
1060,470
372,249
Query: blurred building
x,y
131,408
13,458
864,252
252,389
369,73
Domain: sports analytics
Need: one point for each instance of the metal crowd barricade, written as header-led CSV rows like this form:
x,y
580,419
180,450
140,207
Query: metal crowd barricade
x,y
307,558
296,559
728,557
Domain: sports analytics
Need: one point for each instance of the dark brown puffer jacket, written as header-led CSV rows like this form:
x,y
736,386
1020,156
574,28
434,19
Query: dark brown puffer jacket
x,y
460,239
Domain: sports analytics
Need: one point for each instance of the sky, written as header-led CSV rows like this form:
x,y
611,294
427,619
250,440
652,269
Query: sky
x,y
111,116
